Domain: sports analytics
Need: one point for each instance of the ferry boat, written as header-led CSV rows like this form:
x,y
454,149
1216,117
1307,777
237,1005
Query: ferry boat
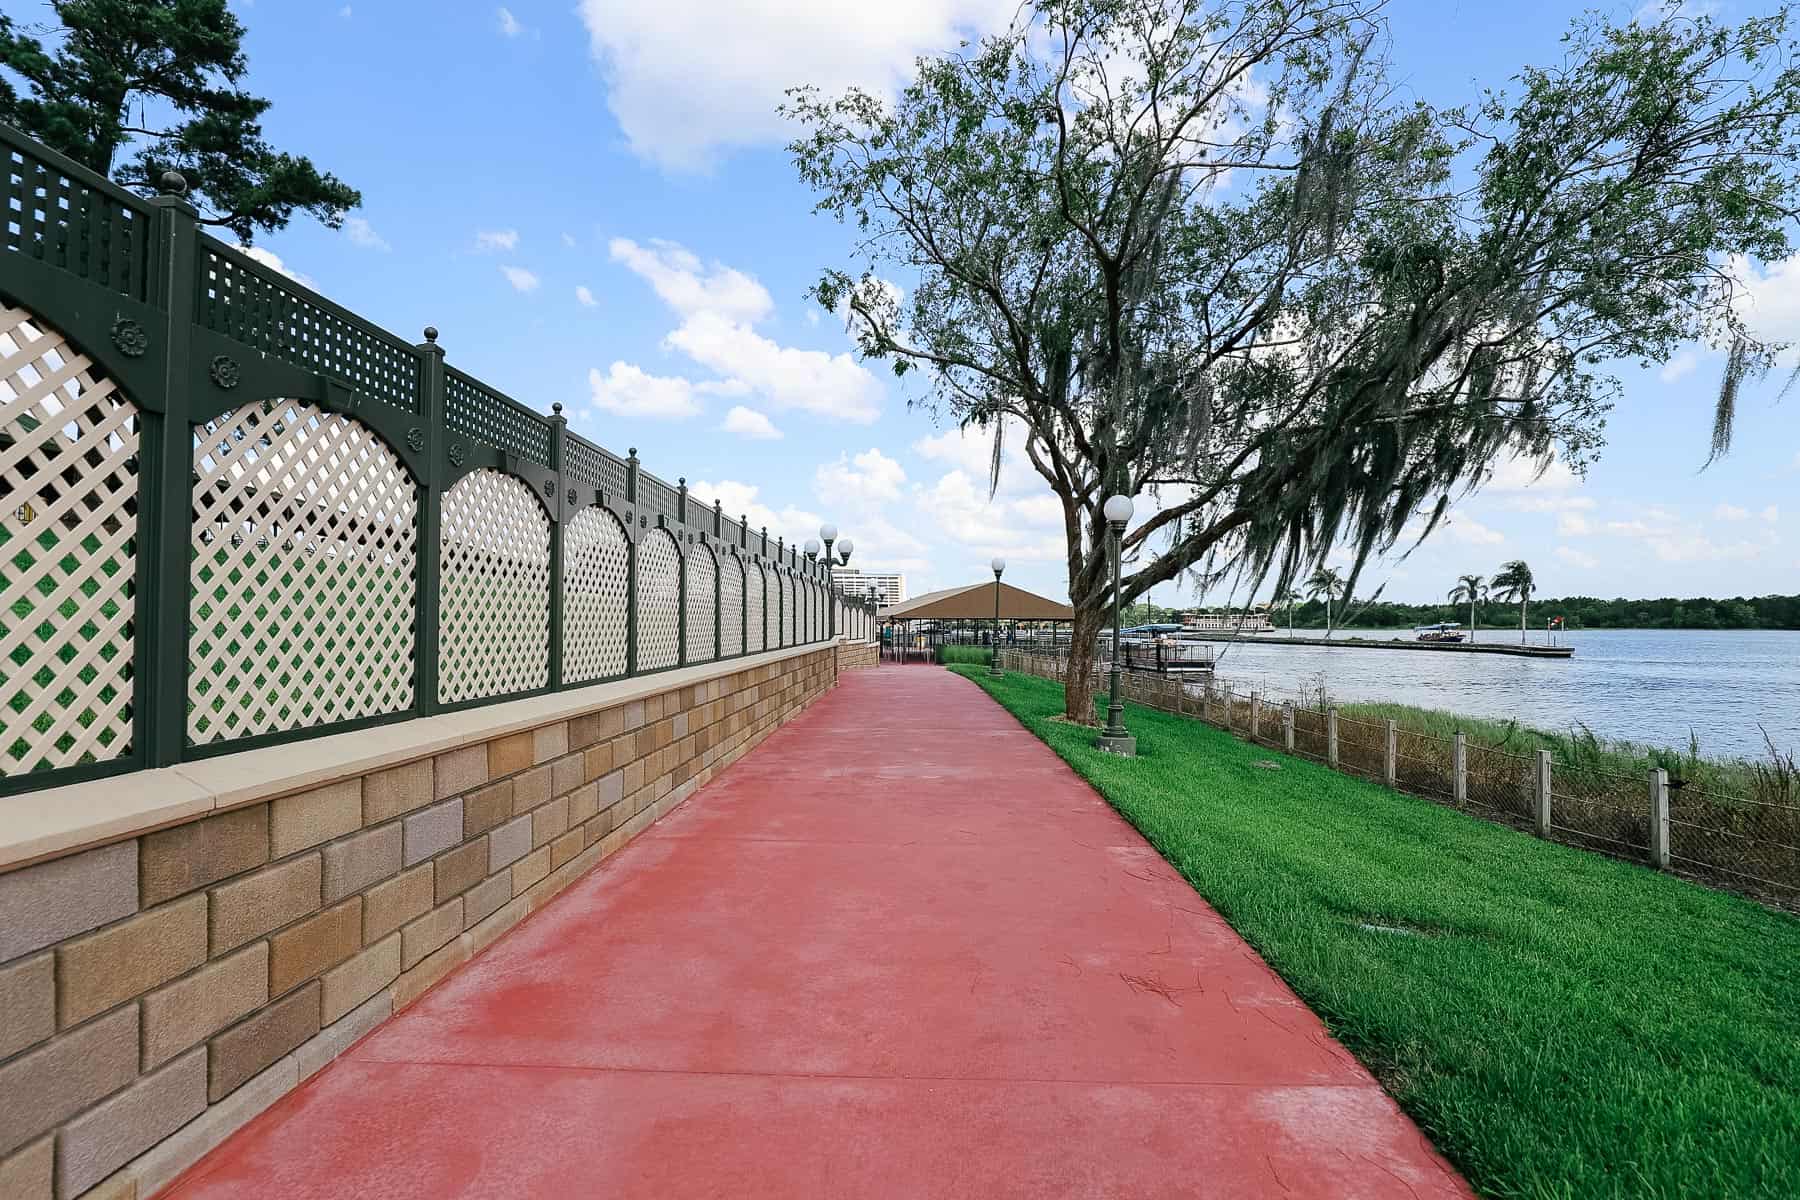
x,y
1443,631
1254,621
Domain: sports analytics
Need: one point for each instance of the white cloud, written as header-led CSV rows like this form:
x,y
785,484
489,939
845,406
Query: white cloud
x,y
585,297
1771,514
972,451
827,385
1573,525
1681,364
1044,509
718,306
687,79
629,392
1471,532
1730,512
1520,473
344,12
1556,502
743,500
688,286
958,509
521,279
1577,558
361,233
568,240
272,260
868,479
1675,539
488,241
509,24
747,422
1770,300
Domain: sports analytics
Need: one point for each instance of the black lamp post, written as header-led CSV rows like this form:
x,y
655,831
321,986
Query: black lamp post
x,y
999,565
828,534
1114,739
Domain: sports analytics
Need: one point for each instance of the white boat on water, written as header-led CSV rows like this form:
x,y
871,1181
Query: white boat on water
x,y
1443,631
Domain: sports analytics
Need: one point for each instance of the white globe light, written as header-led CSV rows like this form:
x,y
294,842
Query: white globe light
x,y
1118,509
845,547
812,547
999,565
828,532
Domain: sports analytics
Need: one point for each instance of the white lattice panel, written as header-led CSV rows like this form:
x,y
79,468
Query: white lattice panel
x,y
790,611
68,472
302,575
731,605
596,588
658,602
494,622
756,593
701,604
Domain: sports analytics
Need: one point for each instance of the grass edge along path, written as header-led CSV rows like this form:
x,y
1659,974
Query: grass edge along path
x,y
1559,1023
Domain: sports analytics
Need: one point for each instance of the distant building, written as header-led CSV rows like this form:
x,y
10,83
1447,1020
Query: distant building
x,y
891,586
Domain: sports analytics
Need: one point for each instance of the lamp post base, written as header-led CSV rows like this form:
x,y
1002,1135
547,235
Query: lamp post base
x,y
1124,745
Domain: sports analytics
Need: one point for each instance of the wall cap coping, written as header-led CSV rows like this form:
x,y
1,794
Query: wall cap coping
x,y
58,821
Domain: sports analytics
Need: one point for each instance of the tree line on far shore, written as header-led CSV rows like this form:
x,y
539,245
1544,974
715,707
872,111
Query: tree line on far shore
x,y
1578,612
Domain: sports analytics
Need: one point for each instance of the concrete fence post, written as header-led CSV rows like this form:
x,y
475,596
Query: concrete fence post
x,y
1206,701
1255,715
1459,768
1331,739
1390,766
1659,818
1230,706
1542,808
1287,726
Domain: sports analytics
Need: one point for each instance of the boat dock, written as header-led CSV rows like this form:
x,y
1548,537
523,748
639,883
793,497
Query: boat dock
x,y
1358,643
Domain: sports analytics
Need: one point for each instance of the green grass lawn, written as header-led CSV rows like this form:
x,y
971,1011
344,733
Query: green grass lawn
x,y
1559,1023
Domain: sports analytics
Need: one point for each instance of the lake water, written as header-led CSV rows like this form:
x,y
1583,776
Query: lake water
x,y
1642,685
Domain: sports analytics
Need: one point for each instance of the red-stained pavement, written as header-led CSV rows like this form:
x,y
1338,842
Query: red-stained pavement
x,y
900,950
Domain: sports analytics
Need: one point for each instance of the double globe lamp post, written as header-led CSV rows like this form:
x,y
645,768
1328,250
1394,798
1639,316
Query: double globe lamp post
x,y
1113,738
828,533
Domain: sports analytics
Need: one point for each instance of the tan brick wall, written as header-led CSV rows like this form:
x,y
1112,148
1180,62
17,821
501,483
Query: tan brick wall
x,y
852,656
157,993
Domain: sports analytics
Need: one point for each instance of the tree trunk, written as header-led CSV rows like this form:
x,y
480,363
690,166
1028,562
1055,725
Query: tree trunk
x,y
1078,687
1522,603
1471,622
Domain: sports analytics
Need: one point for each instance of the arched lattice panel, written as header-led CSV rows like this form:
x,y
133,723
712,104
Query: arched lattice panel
x,y
302,576
596,592
790,611
731,605
658,602
756,592
702,604
494,615
69,471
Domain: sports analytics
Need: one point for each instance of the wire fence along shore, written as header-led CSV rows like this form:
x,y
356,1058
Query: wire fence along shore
x,y
1742,843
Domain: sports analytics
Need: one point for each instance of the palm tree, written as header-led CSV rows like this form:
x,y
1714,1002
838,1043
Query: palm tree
x,y
1288,596
1328,583
1470,589
1514,582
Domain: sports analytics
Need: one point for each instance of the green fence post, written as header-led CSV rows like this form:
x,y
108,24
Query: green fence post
x,y
631,566
165,495
429,594
681,578
559,434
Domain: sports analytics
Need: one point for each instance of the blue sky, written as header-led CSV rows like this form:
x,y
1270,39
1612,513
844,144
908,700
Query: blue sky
x,y
591,203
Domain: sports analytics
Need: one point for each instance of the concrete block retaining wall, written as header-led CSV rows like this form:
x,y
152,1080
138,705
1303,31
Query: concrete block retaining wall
x,y
157,992
852,656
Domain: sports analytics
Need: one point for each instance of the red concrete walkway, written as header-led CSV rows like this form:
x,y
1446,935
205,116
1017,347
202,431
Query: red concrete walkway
x,y
899,950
